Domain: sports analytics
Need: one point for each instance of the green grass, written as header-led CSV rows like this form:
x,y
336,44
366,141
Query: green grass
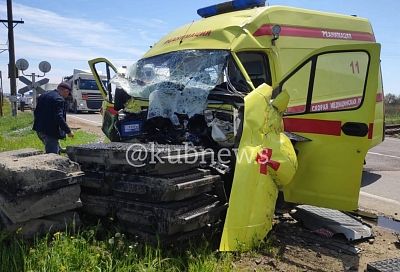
x,y
392,114
392,119
85,251
16,133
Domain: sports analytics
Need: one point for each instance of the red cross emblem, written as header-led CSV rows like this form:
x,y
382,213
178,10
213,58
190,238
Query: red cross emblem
x,y
264,159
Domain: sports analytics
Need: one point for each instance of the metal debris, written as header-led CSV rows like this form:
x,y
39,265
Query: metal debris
x,y
284,232
390,265
315,218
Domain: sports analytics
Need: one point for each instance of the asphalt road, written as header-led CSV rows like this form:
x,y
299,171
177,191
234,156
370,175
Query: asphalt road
x,y
90,118
380,189
381,178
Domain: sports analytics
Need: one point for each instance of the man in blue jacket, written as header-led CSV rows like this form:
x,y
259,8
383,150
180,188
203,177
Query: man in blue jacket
x,y
50,118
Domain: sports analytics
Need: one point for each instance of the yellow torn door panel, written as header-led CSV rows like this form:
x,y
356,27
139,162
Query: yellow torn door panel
x,y
265,160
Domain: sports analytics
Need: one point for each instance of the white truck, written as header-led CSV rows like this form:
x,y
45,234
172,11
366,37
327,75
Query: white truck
x,y
85,95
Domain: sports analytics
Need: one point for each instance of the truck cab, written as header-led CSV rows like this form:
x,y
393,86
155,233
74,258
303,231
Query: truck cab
x,y
196,83
85,94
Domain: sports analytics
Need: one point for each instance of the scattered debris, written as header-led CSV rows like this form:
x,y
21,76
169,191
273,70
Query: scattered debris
x,y
317,219
390,265
351,268
308,238
389,223
365,214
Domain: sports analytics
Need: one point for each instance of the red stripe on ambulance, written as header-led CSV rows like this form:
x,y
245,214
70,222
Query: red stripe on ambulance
x,y
330,105
319,33
325,127
314,126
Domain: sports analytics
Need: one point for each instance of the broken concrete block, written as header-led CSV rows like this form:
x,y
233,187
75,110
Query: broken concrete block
x,y
168,188
165,194
149,158
48,224
170,218
22,209
26,172
20,153
97,205
36,190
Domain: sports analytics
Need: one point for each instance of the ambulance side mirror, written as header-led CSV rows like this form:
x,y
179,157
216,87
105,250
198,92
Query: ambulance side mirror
x,y
276,31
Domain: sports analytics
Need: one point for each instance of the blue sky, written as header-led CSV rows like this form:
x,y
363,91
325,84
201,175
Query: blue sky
x,y
69,32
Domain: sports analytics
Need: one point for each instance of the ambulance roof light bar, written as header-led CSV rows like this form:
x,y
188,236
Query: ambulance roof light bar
x,y
229,7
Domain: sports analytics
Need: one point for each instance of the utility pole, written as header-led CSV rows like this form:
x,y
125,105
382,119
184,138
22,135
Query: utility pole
x,y
1,94
11,54
11,66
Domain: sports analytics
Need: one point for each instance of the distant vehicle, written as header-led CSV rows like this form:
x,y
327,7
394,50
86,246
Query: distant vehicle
x,y
28,101
50,86
85,95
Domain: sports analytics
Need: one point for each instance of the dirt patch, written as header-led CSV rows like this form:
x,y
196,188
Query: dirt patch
x,y
293,248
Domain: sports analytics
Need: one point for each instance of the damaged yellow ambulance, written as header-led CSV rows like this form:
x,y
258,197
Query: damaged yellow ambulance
x,y
296,93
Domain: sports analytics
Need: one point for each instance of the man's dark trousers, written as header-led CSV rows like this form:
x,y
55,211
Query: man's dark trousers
x,y
50,124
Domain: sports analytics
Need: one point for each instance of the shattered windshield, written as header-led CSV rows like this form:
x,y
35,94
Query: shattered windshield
x,y
188,68
179,82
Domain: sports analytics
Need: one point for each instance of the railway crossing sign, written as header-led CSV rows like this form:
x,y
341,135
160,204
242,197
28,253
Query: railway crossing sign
x,y
32,85
44,67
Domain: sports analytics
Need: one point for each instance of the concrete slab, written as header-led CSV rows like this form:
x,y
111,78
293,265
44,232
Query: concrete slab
x,y
39,205
45,225
28,172
149,158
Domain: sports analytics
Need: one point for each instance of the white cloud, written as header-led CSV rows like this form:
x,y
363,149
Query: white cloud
x,y
69,42
152,23
29,38
65,30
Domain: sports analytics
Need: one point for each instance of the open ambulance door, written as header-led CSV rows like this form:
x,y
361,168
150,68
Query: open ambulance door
x,y
103,71
332,104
